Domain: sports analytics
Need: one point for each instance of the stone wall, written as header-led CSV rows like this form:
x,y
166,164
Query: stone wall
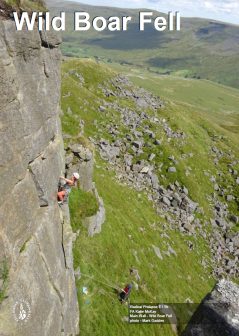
x,y
35,234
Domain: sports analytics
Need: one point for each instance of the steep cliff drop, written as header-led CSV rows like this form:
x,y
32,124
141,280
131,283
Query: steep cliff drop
x,y
35,235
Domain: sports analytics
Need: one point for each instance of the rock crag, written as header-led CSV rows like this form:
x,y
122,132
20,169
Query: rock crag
x,y
218,314
35,234
80,158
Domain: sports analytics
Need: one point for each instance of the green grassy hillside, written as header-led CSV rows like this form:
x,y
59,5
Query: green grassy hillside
x,y
203,49
216,103
133,228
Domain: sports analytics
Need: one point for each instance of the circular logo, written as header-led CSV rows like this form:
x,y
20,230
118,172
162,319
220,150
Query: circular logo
x,y
21,311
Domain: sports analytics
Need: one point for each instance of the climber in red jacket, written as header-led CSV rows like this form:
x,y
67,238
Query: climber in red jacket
x,y
124,295
64,190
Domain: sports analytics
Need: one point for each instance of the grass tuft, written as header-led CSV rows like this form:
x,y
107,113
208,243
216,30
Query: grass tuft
x,y
4,272
82,204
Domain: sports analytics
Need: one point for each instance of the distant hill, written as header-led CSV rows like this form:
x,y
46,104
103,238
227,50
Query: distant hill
x,y
203,49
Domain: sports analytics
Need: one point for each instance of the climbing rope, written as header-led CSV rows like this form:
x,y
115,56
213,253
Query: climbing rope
x,y
113,298
104,283
104,293
101,275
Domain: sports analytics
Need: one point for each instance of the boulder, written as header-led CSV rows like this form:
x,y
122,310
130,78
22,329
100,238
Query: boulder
x,y
166,201
155,181
157,252
189,227
234,219
81,151
157,142
172,251
151,157
102,108
230,198
236,241
137,144
184,190
172,170
144,170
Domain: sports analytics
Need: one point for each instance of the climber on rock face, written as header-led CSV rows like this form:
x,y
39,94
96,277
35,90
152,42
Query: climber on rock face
x,y
65,189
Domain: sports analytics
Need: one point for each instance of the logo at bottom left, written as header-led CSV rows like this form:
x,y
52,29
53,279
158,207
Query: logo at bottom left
x,y
21,311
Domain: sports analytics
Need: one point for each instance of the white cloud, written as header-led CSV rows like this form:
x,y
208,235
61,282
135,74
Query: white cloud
x,y
225,10
208,4
221,6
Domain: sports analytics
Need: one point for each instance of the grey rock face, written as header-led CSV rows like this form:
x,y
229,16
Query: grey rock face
x,y
95,222
35,236
81,160
82,152
217,315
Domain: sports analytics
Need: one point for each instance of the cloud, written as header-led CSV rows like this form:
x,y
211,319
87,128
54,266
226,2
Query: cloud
x,y
216,5
228,6
218,9
225,10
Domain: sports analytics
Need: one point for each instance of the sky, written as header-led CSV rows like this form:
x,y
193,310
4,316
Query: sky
x,y
223,10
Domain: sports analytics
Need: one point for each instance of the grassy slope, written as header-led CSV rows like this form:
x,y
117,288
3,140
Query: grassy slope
x,y
109,255
89,207
216,103
203,48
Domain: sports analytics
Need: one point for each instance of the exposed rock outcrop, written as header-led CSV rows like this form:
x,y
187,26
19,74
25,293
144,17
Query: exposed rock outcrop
x,y
94,223
35,235
139,159
80,158
218,314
